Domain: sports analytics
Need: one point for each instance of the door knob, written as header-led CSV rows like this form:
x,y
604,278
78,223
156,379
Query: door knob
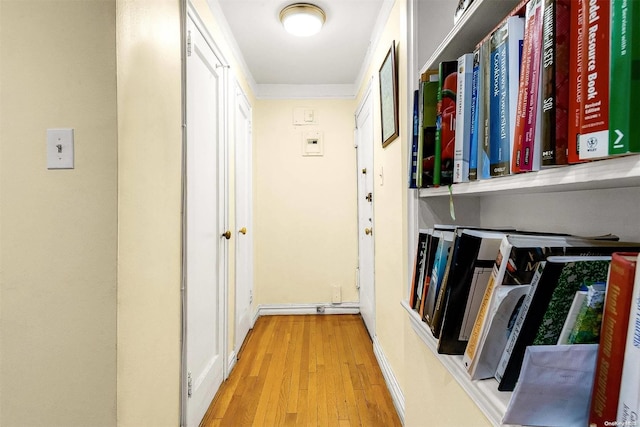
x,y
368,231
227,234
243,230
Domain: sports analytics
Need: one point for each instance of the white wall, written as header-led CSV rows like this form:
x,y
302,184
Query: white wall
x,y
58,253
305,207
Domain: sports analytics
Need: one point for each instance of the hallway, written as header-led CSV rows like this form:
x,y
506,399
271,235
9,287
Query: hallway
x,y
305,370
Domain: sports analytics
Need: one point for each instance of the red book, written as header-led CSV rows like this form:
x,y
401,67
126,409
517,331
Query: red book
x,y
576,49
594,110
613,335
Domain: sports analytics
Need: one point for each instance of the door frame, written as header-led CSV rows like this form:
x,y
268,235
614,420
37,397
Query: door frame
x,y
190,14
366,101
241,100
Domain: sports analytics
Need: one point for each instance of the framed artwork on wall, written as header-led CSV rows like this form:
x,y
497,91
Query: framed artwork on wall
x,y
388,77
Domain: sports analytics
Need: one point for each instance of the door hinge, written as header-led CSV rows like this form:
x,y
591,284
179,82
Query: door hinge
x,y
188,43
189,384
250,297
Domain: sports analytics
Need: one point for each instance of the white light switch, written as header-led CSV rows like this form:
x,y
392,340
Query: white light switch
x,y
59,148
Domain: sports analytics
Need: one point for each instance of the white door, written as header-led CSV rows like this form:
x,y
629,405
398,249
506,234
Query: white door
x,y
244,247
364,147
203,357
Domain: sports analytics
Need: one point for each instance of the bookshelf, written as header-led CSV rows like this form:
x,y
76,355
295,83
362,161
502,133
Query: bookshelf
x,y
593,198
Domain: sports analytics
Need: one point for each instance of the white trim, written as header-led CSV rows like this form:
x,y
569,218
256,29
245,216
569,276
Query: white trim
x,y
288,309
376,33
216,10
231,363
319,91
389,377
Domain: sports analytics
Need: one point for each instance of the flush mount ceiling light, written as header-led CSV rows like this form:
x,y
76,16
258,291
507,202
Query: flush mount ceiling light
x,y
302,19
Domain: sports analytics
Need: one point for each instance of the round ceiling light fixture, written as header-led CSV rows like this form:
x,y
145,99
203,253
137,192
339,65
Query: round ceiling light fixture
x,y
302,19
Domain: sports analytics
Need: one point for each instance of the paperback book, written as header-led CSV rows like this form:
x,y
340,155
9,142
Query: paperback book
x,y
463,119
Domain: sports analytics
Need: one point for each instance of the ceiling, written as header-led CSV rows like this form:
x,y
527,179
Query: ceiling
x,y
279,62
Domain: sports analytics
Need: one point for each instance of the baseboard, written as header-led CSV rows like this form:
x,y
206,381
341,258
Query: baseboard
x,y
233,358
392,383
275,309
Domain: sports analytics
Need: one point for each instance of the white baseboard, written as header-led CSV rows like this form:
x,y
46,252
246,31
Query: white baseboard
x,y
284,309
233,358
392,383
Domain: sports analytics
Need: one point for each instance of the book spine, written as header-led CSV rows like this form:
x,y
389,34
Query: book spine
x,y
463,119
615,321
446,124
485,123
624,132
524,83
497,273
629,398
421,142
576,49
475,119
594,112
498,108
517,327
555,81
531,138
413,160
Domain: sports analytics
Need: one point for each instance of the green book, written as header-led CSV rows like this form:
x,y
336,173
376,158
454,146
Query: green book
x,y
574,275
624,127
587,327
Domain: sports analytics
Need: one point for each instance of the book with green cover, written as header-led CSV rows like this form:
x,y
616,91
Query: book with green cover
x,y
624,128
587,327
573,276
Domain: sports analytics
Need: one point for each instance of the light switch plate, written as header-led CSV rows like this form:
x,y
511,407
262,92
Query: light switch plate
x,y
60,149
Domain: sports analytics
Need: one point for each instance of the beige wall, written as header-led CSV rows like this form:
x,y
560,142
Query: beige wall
x,y
149,196
58,254
305,207
390,206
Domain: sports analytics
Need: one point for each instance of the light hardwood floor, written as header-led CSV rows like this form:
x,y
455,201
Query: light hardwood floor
x,y
305,371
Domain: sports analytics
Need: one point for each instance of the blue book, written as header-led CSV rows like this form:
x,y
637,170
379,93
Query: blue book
x,y
506,47
474,115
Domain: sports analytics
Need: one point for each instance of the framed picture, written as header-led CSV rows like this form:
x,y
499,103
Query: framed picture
x,y
388,76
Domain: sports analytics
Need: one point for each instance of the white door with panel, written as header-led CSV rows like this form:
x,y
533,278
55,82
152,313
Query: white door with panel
x,y
244,246
204,320
364,148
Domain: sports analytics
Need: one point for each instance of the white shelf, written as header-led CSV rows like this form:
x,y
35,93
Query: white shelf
x,y
465,35
610,173
484,393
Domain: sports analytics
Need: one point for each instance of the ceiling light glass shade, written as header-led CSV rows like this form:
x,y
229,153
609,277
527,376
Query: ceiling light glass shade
x,y
302,19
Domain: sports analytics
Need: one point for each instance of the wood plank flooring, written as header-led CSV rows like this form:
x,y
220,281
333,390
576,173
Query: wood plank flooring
x,y
305,371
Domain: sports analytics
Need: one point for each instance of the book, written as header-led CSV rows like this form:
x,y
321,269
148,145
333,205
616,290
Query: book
x,y
413,158
555,82
463,5
427,129
576,48
445,123
629,398
476,117
527,81
515,264
505,45
624,97
546,307
433,258
484,148
463,119
586,328
508,301
572,316
615,321
439,266
418,266
593,141
472,260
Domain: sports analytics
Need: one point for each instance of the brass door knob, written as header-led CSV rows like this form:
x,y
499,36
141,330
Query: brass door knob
x,y
368,231
243,230
227,234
